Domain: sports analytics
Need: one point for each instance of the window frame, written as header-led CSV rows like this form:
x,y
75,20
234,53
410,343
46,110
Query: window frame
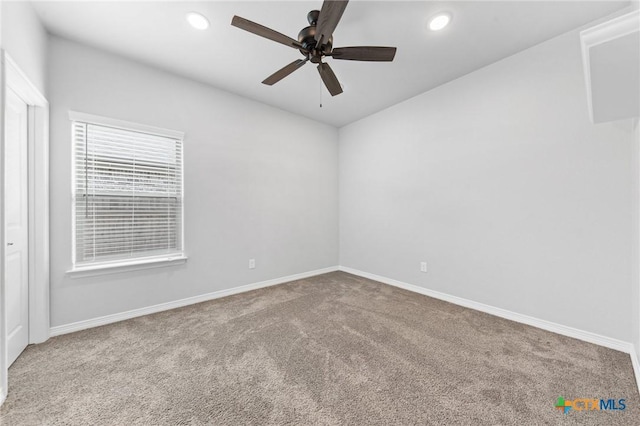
x,y
140,262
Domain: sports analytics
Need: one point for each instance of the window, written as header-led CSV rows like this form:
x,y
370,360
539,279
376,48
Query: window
x,y
127,192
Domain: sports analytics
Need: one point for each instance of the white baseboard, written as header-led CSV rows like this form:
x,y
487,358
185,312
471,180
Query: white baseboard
x,y
108,319
636,365
564,330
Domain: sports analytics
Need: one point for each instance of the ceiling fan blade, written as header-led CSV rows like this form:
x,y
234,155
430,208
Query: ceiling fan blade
x,y
329,78
330,15
283,72
265,32
364,53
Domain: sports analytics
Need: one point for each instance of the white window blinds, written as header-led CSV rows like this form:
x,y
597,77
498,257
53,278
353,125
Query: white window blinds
x,y
127,194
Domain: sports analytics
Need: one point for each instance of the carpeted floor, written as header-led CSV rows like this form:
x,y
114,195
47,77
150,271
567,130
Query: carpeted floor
x,y
332,349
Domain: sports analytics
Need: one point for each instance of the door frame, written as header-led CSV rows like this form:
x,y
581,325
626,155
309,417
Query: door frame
x,y
11,76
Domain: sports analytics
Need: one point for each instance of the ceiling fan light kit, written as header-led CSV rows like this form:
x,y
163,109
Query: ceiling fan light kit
x,y
315,42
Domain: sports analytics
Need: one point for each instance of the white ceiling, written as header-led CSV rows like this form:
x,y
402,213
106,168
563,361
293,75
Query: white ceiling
x,y
226,57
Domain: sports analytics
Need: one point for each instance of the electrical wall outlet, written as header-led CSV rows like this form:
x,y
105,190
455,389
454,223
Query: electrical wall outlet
x,y
252,263
423,266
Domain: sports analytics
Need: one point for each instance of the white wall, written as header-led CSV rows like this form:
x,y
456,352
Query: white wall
x,y
635,297
499,181
25,40
636,245
259,183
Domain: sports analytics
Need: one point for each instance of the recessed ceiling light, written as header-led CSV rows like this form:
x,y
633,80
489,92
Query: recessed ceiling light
x,y
439,21
197,21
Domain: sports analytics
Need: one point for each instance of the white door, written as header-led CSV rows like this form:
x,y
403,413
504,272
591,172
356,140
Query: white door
x,y
17,231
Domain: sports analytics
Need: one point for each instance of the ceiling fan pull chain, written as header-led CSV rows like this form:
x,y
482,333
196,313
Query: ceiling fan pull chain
x,y
320,85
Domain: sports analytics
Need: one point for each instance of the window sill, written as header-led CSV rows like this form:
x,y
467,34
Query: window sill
x,y
125,266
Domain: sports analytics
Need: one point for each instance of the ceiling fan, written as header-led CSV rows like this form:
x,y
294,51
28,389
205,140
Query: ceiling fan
x,y
316,42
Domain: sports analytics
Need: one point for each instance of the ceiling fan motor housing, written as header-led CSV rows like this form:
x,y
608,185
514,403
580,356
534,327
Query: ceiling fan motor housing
x,y
306,37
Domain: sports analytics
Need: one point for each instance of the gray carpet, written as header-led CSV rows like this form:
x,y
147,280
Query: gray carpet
x,y
333,349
